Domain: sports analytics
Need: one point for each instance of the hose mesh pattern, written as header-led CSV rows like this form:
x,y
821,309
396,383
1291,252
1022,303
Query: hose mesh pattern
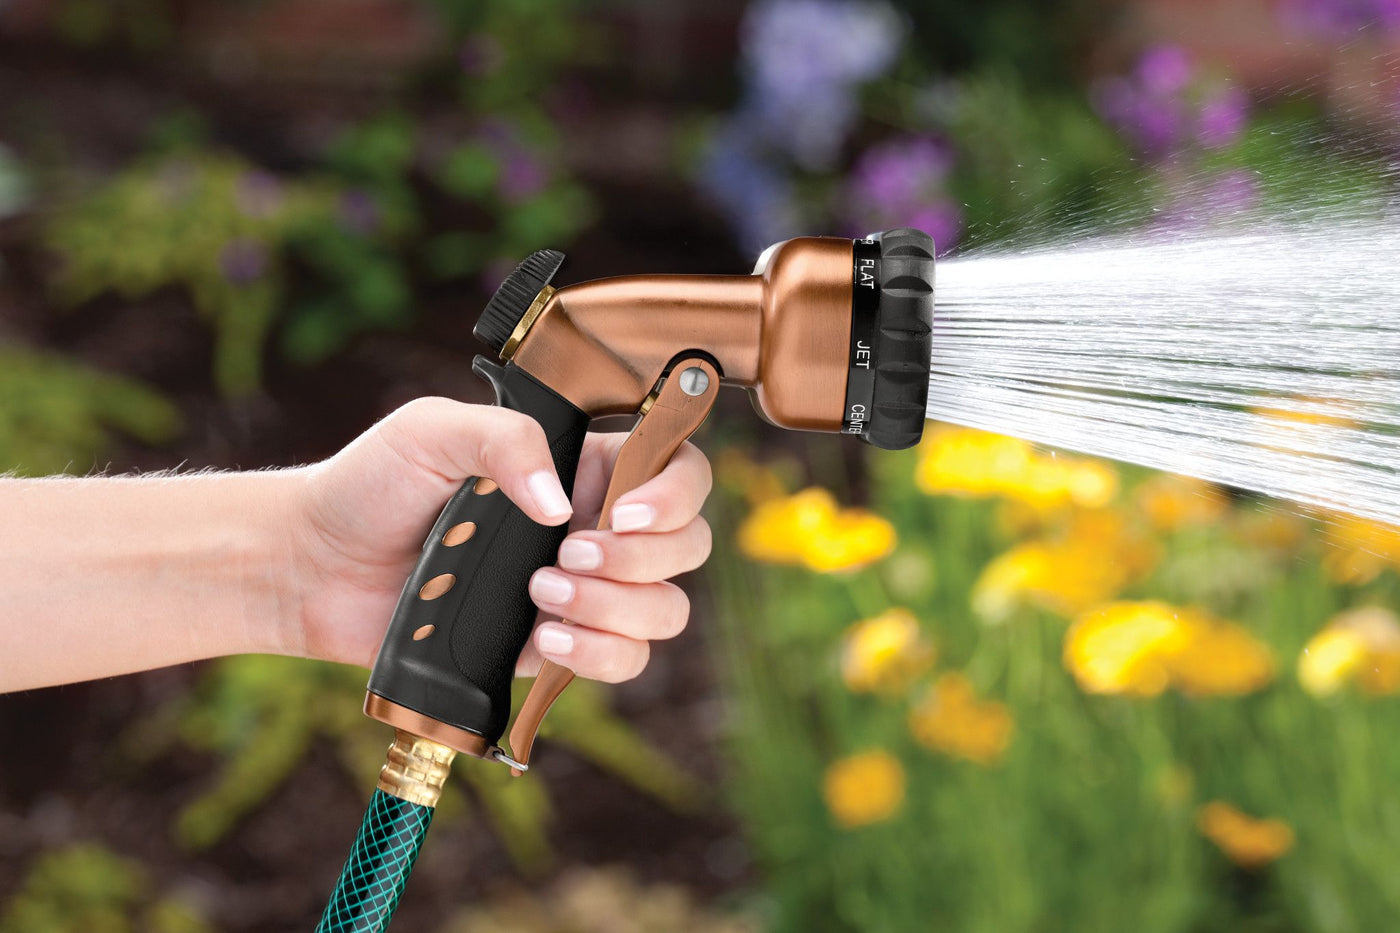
x,y
370,884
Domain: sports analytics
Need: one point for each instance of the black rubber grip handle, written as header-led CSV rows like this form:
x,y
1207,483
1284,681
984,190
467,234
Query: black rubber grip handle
x,y
451,655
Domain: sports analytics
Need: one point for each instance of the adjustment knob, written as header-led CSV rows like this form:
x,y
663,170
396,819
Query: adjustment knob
x,y
514,297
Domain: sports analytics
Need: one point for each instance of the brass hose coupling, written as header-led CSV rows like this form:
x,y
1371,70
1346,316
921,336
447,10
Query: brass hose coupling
x,y
416,769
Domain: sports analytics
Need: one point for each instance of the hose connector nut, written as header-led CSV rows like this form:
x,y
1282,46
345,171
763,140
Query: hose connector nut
x,y
416,769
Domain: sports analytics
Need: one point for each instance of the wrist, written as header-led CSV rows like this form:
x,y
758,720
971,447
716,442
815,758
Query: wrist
x,y
275,568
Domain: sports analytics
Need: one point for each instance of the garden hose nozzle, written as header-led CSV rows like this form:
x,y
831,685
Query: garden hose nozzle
x,y
826,334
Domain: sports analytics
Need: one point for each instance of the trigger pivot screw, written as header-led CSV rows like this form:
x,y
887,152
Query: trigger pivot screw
x,y
694,381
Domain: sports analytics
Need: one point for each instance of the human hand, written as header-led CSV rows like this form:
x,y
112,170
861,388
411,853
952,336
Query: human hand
x,y
365,512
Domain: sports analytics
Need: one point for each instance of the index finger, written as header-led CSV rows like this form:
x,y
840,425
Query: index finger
x,y
671,499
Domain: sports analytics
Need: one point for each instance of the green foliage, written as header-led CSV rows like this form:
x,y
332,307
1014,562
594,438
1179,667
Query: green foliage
x,y
140,25
85,888
1301,171
58,415
1034,162
336,252
206,222
1089,822
1041,42
261,715
14,185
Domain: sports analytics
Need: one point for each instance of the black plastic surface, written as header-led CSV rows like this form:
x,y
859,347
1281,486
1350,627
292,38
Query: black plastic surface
x,y
461,673
514,296
903,339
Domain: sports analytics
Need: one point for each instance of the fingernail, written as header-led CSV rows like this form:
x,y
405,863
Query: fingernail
x,y
552,587
554,639
578,554
634,516
548,494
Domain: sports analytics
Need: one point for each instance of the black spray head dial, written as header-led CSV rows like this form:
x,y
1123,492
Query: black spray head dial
x,y
891,338
514,296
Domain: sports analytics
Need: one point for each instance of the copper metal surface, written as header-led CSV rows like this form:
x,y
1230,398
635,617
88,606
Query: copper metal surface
x,y
459,533
782,334
415,723
437,586
670,420
416,768
802,361
484,486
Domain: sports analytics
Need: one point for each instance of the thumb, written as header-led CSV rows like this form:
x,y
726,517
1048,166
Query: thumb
x,y
454,441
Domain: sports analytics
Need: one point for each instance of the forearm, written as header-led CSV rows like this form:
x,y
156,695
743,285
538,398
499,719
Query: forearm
x,y
104,576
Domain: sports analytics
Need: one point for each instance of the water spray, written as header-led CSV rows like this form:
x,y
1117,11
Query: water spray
x,y
1263,356
826,334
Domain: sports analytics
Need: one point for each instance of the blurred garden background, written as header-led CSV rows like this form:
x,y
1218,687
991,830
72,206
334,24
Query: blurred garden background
x,y
979,686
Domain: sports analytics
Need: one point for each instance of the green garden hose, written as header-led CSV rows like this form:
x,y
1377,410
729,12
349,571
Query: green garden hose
x,y
368,889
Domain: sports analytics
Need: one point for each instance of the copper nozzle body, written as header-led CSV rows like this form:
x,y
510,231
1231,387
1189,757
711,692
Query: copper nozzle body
x,y
783,333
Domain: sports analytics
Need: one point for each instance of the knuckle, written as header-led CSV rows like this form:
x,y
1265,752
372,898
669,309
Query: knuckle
x,y
514,432
419,411
636,662
705,541
622,662
675,615
707,473
510,443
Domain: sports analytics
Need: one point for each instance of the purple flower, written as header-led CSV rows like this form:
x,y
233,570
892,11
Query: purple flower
x,y
1164,70
1164,106
522,176
941,220
243,261
523,172
892,175
749,189
358,212
1223,117
258,194
1196,201
900,184
804,60
1153,121
1341,18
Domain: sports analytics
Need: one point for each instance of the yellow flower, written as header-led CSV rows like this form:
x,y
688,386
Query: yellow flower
x,y
758,482
1360,645
852,539
1274,527
885,653
951,719
808,528
1142,648
1097,556
1245,840
1359,548
1123,648
1219,659
966,462
1171,502
864,788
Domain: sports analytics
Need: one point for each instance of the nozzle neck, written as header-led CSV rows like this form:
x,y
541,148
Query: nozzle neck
x,y
604,344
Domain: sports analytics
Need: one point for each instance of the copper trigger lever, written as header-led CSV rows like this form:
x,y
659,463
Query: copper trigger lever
x,y
670,414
